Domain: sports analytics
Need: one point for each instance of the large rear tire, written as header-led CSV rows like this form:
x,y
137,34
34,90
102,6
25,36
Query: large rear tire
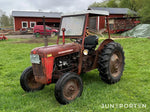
x,y
27,81
68,88
111,63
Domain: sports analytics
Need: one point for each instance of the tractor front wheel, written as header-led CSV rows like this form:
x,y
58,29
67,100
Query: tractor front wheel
x,y
68,88
27,81
111,63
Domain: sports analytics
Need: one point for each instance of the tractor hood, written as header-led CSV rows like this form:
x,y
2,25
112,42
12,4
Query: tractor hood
x,y
56,50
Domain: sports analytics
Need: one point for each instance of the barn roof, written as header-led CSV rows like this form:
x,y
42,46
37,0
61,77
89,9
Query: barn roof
x,y
113,10
36,14
91,12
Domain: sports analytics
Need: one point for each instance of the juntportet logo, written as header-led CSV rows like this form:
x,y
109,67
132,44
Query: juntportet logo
x,y
131,105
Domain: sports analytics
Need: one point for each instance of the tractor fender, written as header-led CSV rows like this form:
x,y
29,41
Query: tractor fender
x,y
105,42
101,46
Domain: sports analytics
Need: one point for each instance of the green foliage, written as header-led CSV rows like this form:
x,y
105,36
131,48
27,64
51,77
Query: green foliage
x,y
144,12
11,20
99,4
112,3
131,4
133,88
107,3
5,20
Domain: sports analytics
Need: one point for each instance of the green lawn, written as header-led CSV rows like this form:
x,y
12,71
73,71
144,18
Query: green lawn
x,y
133,88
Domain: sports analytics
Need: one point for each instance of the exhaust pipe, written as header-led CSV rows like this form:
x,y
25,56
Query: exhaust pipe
x,y
45,35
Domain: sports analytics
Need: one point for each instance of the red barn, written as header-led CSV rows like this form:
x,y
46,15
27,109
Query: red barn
x,y
28,19
119,19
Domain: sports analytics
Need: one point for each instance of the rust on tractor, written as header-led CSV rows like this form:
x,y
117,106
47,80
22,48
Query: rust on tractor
x,y
32,82
71,89
115,64
42,74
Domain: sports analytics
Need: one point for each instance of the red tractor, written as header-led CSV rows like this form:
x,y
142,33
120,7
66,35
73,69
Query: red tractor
x,y
63,63
2,37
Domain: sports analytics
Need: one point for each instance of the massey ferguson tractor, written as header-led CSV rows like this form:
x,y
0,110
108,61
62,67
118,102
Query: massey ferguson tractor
x,y
64,62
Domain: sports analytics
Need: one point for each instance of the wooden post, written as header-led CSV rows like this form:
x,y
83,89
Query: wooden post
x,y
108,29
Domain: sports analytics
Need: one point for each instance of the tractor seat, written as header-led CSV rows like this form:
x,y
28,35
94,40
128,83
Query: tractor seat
x,y
90,42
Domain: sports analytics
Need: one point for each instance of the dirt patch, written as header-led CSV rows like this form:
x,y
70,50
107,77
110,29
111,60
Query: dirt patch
x,y
20,36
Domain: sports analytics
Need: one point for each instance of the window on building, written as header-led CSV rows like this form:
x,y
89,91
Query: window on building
x,y
24,24
32,24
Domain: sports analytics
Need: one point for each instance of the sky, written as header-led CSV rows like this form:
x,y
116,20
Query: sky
x,y
45,5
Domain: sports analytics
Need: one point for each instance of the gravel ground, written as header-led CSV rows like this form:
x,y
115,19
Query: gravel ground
x,y
19,36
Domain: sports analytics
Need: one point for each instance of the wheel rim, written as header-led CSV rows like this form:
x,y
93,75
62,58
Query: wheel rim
x,y
32,83
116,64
71,89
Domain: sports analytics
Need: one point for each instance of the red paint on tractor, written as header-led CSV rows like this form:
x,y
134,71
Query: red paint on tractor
x,y
43,71
82,46
48,68
55,49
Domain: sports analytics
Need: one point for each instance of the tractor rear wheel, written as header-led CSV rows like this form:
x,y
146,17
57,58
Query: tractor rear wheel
x,y
68,88
27,81
111,63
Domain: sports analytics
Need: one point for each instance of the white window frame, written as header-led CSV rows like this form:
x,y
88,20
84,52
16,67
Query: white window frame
x,y
31,23
26,23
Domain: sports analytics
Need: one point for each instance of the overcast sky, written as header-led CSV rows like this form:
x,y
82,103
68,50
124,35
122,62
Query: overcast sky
x,y
45,5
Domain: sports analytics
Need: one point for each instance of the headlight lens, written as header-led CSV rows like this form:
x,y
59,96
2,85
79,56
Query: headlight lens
x,y
35,58
85,52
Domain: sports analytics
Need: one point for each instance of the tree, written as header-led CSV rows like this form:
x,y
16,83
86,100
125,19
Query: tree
x,y
112,3
10,20
1,12
144,12
4,20
134,5
106,3
99,4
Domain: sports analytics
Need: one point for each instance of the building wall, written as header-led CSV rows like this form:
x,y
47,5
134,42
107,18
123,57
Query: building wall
x,y
18,21
102,20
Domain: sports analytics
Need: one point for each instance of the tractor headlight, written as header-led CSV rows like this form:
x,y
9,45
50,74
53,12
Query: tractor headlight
x,y
85,51
35,58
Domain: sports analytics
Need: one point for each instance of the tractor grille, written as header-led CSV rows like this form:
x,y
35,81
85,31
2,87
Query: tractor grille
x,y
37,69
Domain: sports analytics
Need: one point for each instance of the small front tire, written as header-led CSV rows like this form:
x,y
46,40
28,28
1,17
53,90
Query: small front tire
x,y
68,88
27,81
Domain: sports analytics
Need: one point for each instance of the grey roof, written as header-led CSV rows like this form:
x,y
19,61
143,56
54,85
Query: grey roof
x,y
114,10
94,12
36,14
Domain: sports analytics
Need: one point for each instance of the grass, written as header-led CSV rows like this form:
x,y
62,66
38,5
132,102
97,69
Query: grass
x,y
133,88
